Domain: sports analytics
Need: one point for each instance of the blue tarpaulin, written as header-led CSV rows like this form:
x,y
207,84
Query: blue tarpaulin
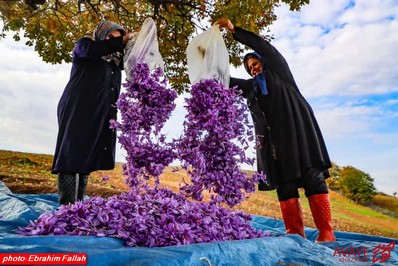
x,y
16,210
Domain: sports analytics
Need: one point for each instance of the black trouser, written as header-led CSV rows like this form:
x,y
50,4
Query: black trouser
x,y
313,183
71,187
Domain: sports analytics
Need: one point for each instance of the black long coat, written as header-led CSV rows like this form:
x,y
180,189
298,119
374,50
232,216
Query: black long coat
x,y
85,142
293,142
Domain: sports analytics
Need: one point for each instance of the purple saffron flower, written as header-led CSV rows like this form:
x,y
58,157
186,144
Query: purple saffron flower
x,y
216,119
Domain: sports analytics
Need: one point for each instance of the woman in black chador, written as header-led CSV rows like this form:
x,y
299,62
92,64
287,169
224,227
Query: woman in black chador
x,y
291,150
85,142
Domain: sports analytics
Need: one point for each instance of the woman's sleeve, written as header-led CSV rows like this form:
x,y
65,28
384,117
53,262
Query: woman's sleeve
x,y
88,48
271,56
243,84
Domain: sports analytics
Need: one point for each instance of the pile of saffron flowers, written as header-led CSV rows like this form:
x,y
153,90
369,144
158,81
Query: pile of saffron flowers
x,y
150,218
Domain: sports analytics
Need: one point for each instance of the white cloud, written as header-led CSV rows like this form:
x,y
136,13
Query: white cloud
x,y
340,121
370,12
340,56
323,12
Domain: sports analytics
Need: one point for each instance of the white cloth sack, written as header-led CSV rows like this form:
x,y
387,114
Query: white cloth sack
x,y
208,57
143,48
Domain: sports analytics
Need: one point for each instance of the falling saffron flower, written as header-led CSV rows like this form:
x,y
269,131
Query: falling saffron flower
x,y
145,107
216,121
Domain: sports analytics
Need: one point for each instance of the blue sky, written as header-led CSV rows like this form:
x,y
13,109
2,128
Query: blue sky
x,y
343,55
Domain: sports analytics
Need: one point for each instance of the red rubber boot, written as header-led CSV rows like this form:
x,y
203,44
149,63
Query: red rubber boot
x,y
292,216
322,214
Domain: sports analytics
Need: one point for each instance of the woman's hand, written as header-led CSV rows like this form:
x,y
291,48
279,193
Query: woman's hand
x,y
225,23
126,37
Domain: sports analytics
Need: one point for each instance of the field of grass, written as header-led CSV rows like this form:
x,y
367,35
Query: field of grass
x,y
387,204
30,174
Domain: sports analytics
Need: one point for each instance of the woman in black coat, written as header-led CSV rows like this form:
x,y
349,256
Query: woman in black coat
x,y
85,142
291,150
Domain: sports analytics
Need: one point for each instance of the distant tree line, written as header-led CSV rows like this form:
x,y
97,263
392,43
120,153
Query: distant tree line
x,y
352,183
